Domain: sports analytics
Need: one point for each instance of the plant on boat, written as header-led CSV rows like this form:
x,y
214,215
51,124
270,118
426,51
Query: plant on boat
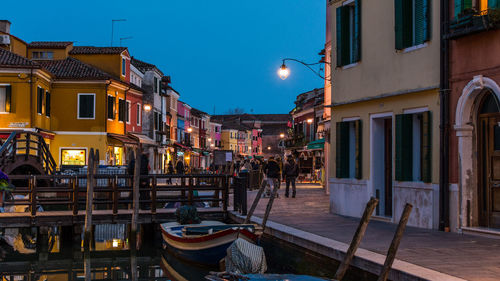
x,y
5,185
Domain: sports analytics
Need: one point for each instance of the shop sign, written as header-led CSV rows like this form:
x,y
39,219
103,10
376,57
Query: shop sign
x,y
18,124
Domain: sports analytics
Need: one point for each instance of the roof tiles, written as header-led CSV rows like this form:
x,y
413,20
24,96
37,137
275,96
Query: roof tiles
x,y
84,50
8,58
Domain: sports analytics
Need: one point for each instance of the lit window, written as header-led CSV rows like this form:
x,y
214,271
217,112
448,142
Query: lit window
x,y
73,157
5,98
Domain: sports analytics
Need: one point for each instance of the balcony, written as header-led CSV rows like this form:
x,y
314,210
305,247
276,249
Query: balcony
x,y
299,141
472,21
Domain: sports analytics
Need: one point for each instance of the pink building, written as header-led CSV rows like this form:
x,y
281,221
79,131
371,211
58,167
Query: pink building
x,y
256,142
215,135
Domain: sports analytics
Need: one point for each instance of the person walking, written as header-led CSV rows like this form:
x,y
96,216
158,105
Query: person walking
x,y
179,167
170,171
291,172
273,172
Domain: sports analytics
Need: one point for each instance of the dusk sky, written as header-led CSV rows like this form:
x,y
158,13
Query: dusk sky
x,y
222,53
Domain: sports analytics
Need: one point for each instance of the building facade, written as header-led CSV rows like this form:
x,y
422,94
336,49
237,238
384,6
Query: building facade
x,y
385,104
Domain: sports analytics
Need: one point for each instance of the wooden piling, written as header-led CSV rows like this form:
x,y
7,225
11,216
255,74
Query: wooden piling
x,y
269,207
391,253
356,240
255,203
89,201
135,200
33,196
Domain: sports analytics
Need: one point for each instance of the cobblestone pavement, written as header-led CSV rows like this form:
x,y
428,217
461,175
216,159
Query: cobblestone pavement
x,y
465,256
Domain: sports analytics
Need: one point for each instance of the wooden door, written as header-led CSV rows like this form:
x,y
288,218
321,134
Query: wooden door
x,y
489,183
388,166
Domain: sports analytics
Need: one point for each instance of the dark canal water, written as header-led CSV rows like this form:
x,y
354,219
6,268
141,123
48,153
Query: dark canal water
x,y
21,258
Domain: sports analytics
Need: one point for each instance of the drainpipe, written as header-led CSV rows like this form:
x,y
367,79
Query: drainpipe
x,y
444,128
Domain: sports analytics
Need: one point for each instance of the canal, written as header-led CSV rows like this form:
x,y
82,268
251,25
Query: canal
x,y
22,258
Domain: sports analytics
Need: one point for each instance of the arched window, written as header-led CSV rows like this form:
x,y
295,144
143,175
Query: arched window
x,y
490,104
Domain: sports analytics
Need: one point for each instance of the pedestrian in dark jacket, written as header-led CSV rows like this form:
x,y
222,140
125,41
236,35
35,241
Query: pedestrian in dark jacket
x,y
273,172
291,172
179,167
170,171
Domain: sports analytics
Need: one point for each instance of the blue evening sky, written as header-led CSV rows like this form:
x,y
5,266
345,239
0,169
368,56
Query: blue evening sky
x,y
222,53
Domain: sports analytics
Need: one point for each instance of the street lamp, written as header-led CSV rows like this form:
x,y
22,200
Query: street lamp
x,y
209,139
147,107
190,130
309,121
282,135
283,71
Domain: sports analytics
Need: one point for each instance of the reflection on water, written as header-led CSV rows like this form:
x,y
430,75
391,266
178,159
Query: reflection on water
x,y
109,259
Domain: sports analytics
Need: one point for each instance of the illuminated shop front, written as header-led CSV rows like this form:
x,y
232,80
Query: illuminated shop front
x,y
115,155
73,157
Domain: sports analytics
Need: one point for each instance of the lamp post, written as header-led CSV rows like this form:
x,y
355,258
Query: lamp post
x,y
284,72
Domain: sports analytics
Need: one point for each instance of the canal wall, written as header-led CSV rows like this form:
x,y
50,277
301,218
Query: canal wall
x,y
364,260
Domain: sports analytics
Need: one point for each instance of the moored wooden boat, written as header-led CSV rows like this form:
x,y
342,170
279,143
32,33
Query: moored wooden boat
x,y
204,243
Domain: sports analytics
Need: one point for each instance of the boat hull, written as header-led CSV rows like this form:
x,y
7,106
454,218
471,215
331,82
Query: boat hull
x,y
206,249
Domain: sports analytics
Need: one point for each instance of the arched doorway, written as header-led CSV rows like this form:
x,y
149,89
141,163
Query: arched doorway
x,y
488,148
477,129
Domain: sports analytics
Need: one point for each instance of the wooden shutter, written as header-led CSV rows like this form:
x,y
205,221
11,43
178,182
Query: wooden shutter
x,y
8,98
426,146
408,15
404,147
121,110
398,23
422,21
346,43
356,48
339,36
47,104
39,101
359,149
342,150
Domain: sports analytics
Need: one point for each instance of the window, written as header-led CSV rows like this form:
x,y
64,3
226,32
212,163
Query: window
x,y
86,106
111,107
139,108
74,157
121,110
5,98
413,147
412,23
124,67
47,104
348,149
127,110
464,7
155,84
348,33
42,55
39,100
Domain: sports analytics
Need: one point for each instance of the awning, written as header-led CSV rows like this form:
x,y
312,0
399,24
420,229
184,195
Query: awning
x,y
317,144
124,139
143,139
206,153
182,146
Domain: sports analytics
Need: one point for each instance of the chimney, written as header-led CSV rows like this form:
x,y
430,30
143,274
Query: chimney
x,y
5,26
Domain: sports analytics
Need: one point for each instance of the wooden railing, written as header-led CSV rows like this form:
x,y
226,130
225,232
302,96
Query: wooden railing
x,y
69,192
27,144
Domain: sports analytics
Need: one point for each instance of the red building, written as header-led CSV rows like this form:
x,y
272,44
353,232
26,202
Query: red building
x,y
474,150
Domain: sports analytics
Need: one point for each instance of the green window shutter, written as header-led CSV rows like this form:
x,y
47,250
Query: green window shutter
x,y
408,16
339,36
359,149
458,7
342,149
8,98
346,43
422,21
467,4
39,101
398,24
356,48
427,146
404,148
493,4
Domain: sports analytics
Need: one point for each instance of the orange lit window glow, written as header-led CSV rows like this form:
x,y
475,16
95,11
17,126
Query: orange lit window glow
x,y
73,157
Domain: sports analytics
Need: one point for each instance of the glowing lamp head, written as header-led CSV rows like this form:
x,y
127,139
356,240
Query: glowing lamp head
x,y
209,139
268,148
147,107
283,72
282,135
190,130
309,120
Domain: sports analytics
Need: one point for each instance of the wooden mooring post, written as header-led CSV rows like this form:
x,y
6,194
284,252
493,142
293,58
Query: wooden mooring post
x,y
356,240
91,170
391,253
135,199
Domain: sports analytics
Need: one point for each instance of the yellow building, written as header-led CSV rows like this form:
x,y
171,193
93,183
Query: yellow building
x,y
229,139
385,109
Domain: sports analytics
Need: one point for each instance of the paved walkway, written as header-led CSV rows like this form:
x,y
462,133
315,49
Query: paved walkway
x,y
463,256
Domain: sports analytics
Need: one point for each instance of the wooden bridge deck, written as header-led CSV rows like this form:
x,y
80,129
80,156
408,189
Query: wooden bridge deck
x,y
62,218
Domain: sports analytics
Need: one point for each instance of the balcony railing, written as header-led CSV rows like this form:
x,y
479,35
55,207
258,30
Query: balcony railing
x,y
472,21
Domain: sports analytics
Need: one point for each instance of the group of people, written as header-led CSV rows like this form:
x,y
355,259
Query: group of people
x,y
274,171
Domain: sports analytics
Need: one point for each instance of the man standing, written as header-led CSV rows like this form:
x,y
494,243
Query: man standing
x,y
291,172
273,172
